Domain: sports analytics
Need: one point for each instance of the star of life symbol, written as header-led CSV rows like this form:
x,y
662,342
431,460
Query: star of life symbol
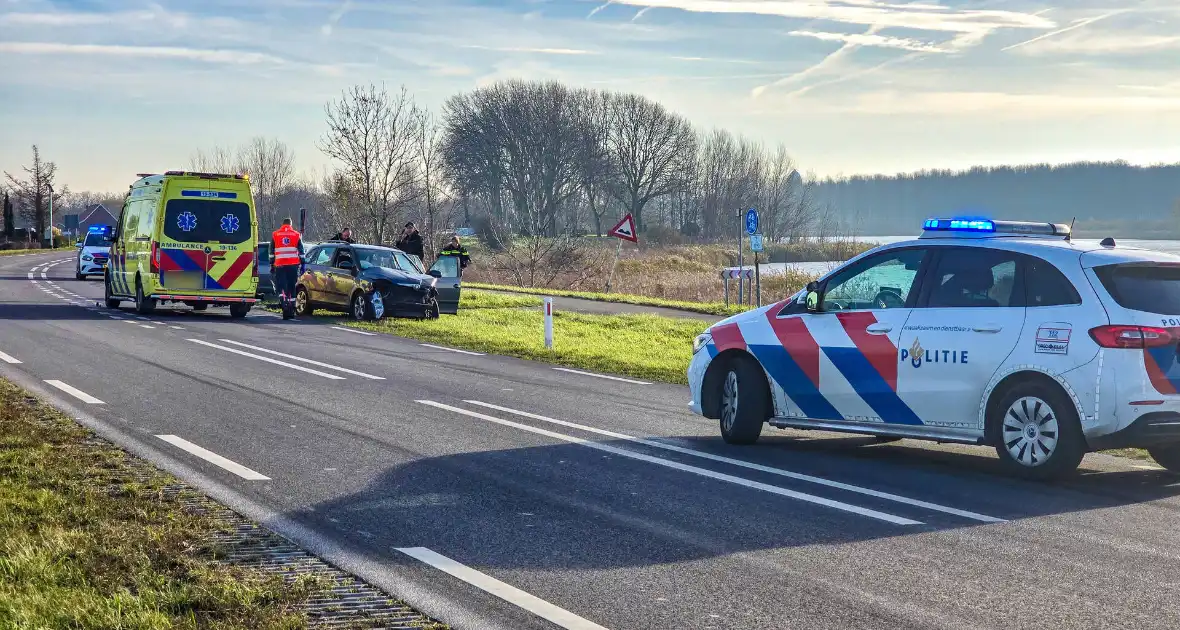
x,y
286,240
187,221
229,224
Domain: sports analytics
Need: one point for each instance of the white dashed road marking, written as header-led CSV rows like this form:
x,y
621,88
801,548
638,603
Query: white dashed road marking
x,y
352,330
430,345
703,472
76,393
613,378
484,582
269,360
214,458
308,361
8,358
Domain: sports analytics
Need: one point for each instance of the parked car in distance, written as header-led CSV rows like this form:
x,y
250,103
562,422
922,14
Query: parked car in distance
x,y
266,286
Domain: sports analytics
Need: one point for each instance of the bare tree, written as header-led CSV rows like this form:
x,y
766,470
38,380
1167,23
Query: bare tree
x,y
270,164
215,160
34,192
435,192
596,171
373,134
652,149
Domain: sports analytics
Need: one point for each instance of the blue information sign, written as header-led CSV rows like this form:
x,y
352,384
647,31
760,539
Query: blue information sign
x,y
751,221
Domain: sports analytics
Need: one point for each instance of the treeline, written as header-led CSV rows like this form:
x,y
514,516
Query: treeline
x,y
1104,197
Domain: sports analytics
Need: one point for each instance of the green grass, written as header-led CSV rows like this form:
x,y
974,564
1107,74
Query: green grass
x,y
642,346
85,543
14,252
708,308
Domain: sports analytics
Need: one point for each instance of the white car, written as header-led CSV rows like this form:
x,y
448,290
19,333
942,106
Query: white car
x,y
94,252
999,333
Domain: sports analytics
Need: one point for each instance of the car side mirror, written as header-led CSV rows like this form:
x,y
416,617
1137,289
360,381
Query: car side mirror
x,y
813,296
435,273
78,245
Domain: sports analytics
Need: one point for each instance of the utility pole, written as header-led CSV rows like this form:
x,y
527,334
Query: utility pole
x,y
50,187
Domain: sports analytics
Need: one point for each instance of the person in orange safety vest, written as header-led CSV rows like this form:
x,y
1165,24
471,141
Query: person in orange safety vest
x,y
286,260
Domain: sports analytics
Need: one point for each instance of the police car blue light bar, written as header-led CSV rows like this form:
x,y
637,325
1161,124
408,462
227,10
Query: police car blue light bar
x,y
989,227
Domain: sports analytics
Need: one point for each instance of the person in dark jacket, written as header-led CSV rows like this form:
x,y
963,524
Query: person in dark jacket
x,y
410,241
344,235
455,248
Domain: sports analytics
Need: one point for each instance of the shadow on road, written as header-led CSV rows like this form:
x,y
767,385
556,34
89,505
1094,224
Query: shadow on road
x,y
568,507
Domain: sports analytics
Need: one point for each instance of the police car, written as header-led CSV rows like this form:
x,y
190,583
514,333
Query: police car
x,y
1001,333
94,251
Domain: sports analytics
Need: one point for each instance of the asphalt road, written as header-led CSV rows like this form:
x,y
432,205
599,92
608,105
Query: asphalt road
x,y
586,501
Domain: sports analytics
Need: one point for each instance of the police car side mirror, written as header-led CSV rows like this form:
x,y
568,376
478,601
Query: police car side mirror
x,y
813,296
78,245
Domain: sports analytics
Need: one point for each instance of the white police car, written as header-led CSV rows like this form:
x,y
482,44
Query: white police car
x,y
984,332
94,252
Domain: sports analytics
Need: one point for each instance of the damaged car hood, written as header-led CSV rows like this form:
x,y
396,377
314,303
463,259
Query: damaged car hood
x,y
396,276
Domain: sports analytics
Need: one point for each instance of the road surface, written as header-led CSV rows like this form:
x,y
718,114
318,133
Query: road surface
x,y
498,493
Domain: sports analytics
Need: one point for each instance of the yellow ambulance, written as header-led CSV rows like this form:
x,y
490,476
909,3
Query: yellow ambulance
x,y
187,238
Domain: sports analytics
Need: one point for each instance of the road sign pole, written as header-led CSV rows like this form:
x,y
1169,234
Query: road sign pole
x,y
741,295
611,278
757,281
548,323
51,217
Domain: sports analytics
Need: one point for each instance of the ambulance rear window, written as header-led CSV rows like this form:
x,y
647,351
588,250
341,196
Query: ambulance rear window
x,y
206,221
1149,287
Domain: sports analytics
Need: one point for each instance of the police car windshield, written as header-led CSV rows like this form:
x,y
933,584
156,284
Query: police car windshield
x,y
94,239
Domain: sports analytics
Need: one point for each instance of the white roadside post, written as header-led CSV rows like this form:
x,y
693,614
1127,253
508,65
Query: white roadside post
x,y
548,323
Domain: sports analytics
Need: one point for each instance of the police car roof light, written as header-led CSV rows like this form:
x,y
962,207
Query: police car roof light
x,y
971,227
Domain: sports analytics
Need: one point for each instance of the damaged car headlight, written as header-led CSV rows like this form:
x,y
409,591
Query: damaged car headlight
x,y
701,341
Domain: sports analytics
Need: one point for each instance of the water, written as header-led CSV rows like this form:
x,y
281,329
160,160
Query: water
x,y
819,268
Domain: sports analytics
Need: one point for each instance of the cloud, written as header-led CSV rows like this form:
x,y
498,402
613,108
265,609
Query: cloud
x,y
528,50
863,12
972,103
334,18
158,52
875,41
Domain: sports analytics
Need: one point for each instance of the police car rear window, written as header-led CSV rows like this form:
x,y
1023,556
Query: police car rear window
x,y
205,221
1140,287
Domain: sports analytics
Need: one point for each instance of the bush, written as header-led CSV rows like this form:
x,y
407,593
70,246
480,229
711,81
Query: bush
x,y
663,235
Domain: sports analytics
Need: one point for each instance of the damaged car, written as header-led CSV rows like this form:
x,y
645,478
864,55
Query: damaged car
x,y
368,282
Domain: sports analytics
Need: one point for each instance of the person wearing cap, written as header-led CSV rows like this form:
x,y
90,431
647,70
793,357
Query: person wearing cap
x,y
455,248
410,241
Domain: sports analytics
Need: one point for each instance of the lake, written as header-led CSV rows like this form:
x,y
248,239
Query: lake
x,y
817,268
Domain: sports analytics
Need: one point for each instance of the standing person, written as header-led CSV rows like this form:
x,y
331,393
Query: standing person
x,y
455,248
286,258
344,235
410,241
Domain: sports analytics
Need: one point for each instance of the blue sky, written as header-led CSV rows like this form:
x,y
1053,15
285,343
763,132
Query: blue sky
x,y
110,88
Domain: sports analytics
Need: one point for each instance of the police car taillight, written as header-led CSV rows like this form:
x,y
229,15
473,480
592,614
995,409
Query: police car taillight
x,y
1119,336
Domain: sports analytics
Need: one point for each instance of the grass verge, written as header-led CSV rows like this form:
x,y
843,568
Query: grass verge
x,y
87,543
46,250
708,308
642,346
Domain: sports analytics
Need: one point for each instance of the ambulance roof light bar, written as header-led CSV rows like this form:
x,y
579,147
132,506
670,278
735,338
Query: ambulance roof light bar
x,y
983,228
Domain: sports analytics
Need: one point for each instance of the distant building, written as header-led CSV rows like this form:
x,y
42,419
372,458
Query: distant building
x,y
95,215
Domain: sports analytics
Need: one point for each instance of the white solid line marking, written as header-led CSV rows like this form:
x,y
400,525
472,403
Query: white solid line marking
x,y
484,582
352,330
269,360
214,458
752,466
159,323
430,345
8,358
757,485
127,320
145,326
76,393
176,328
308,361
140,318
613,378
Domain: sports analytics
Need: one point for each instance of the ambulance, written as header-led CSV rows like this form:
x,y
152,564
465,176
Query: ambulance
x,y
187,238
995,333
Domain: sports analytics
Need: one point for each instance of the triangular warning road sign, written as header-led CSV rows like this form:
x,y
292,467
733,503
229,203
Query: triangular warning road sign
x,y
625,229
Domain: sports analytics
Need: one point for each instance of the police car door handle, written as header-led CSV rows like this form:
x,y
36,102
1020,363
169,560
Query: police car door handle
x,y
878,329
987,328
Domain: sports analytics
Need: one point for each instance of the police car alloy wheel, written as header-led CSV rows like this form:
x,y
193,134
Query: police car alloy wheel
x,y
1037,431
743,401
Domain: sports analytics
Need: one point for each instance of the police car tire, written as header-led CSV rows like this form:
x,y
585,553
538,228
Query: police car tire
x,y
143,305
753,400
1167,455
78,276
1071,444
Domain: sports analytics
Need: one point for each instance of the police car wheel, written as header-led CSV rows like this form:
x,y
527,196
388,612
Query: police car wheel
x,y
744,401
1037,432
1167,455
